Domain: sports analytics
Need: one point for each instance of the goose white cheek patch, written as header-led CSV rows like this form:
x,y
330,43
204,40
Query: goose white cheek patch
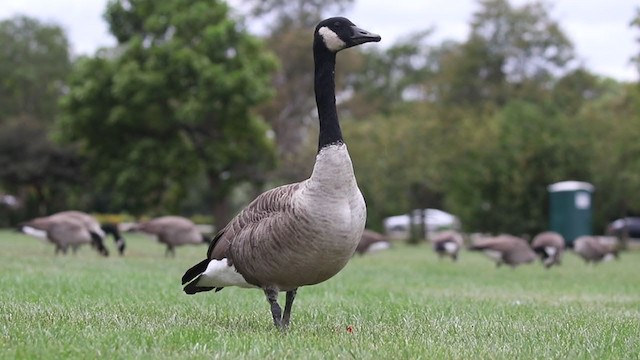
x,y
331,39
219,274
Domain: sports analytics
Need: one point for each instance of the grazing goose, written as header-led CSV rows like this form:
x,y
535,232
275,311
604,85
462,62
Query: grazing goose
x,y
506,249
302,233
172,231
447,243
372,241
593,250
549,245
98,232
62,232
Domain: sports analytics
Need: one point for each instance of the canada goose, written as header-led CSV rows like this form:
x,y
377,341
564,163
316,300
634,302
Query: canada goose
x,y
447,242
593,250
549,245
302,233
172,231
98,231
62,232
505,249
372,241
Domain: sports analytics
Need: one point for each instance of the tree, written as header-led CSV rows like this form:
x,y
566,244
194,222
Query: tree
x,y
511,52
34,63
172,103
609,124
288,14
392,76
39,171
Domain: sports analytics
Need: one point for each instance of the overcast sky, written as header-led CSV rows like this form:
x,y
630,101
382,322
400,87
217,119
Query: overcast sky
x,y
599,29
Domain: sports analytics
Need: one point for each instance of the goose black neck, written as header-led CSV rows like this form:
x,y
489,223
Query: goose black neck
x,y
325,89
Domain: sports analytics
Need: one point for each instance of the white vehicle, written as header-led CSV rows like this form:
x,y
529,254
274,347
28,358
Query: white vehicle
x,y
397,227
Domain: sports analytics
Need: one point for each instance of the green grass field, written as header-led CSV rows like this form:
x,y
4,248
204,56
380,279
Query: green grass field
x,y
400,304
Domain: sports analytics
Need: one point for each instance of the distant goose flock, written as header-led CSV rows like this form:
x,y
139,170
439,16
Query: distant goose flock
x,y
302,233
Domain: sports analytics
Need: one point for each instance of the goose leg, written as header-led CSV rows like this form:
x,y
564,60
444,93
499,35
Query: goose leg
x,y
170,252
291,295
276,311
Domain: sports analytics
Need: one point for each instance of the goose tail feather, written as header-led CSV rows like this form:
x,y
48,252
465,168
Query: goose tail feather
x,y
195,271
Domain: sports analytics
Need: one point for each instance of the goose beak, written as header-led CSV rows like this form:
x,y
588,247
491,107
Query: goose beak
x,y
361,36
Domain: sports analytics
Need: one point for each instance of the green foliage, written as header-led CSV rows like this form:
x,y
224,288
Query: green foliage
x,y
34,63
511,52
390,76
402,303
496,119
172,102
501,187
40,172
390,156
611,129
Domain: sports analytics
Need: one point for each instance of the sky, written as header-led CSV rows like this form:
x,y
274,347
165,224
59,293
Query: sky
x,y
599,29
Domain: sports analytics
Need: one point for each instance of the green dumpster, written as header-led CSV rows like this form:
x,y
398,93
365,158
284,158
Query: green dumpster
x,y
570,209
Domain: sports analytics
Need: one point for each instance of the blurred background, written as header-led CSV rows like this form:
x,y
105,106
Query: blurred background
x,y
138,108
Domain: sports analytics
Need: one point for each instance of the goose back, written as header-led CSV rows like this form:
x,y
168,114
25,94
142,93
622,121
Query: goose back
x,y
172,230
506,249
60,231
591,249
89,221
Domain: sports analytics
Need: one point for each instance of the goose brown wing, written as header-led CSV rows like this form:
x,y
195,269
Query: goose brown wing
x,y
268,204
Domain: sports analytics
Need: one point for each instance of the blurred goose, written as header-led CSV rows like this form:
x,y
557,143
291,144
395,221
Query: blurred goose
x,y
447,243
98,231
593,250
63,232
372,241
549,245
172,231
302,233
505,249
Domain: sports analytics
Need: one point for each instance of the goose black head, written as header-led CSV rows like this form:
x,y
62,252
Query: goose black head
x,y
338,33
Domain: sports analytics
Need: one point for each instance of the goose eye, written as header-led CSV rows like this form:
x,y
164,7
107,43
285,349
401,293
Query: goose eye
x,y
337,24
